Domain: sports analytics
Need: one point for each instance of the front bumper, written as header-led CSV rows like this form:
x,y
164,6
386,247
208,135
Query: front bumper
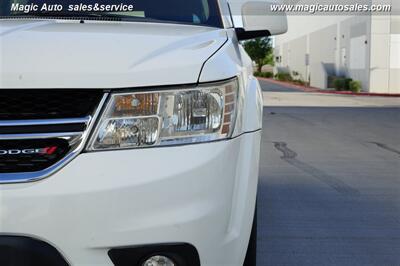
x,y
202,194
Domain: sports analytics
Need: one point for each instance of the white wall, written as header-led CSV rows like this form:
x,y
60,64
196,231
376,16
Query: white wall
x,y
327,44
394,83
302,25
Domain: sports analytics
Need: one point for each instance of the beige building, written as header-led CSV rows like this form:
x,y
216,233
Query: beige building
x,y
362,47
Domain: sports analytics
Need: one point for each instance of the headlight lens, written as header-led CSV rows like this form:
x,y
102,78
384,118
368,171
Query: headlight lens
x,y
167,117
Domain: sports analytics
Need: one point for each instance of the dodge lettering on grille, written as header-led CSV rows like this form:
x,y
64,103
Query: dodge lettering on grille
x,y
44,151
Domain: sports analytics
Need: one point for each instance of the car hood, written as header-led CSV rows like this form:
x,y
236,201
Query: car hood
x,y
69,54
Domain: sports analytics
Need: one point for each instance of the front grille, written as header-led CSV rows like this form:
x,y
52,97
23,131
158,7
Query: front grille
x,y
47,104
31,155
40,128
74,127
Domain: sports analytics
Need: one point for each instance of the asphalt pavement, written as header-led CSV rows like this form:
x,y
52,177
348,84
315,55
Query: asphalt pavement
x,y
329,191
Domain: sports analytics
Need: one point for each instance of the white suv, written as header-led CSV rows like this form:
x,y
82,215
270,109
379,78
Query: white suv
x,y
128,138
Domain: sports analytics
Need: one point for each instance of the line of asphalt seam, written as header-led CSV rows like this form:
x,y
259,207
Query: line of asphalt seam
x,y
338,185
386,147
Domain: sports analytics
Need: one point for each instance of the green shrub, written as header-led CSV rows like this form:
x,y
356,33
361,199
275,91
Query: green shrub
x,y
355,86
338,84
264,74
347,84
342,84
269,74
331,80
299,81
283,77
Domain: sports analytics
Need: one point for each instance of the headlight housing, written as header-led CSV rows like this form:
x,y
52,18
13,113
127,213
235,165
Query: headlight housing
x,y
167,117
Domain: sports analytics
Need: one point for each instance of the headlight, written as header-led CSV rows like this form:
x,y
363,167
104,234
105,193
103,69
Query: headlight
x,y
167,117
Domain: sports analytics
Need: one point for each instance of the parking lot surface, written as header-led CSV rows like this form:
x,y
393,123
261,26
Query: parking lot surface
x,y
329,191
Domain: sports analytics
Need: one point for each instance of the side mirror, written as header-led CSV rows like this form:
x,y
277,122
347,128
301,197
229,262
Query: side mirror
x,y
260,21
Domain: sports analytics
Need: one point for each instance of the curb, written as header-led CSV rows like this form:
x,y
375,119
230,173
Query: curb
x,y
312,89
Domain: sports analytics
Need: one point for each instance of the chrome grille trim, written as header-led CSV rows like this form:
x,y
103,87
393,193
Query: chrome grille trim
x,y
47,122
77,141
40,135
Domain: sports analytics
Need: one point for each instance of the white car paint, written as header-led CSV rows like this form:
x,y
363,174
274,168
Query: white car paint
x,y
202,194
68,54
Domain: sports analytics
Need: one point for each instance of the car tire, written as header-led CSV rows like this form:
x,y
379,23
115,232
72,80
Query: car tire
x,y
251,255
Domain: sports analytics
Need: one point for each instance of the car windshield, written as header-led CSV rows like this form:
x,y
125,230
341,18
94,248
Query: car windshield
x,y
200,12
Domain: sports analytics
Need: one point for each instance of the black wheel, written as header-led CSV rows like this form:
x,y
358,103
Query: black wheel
x,y
251,255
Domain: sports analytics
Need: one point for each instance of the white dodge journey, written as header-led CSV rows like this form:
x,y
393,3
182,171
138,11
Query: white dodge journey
x,y
129,132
